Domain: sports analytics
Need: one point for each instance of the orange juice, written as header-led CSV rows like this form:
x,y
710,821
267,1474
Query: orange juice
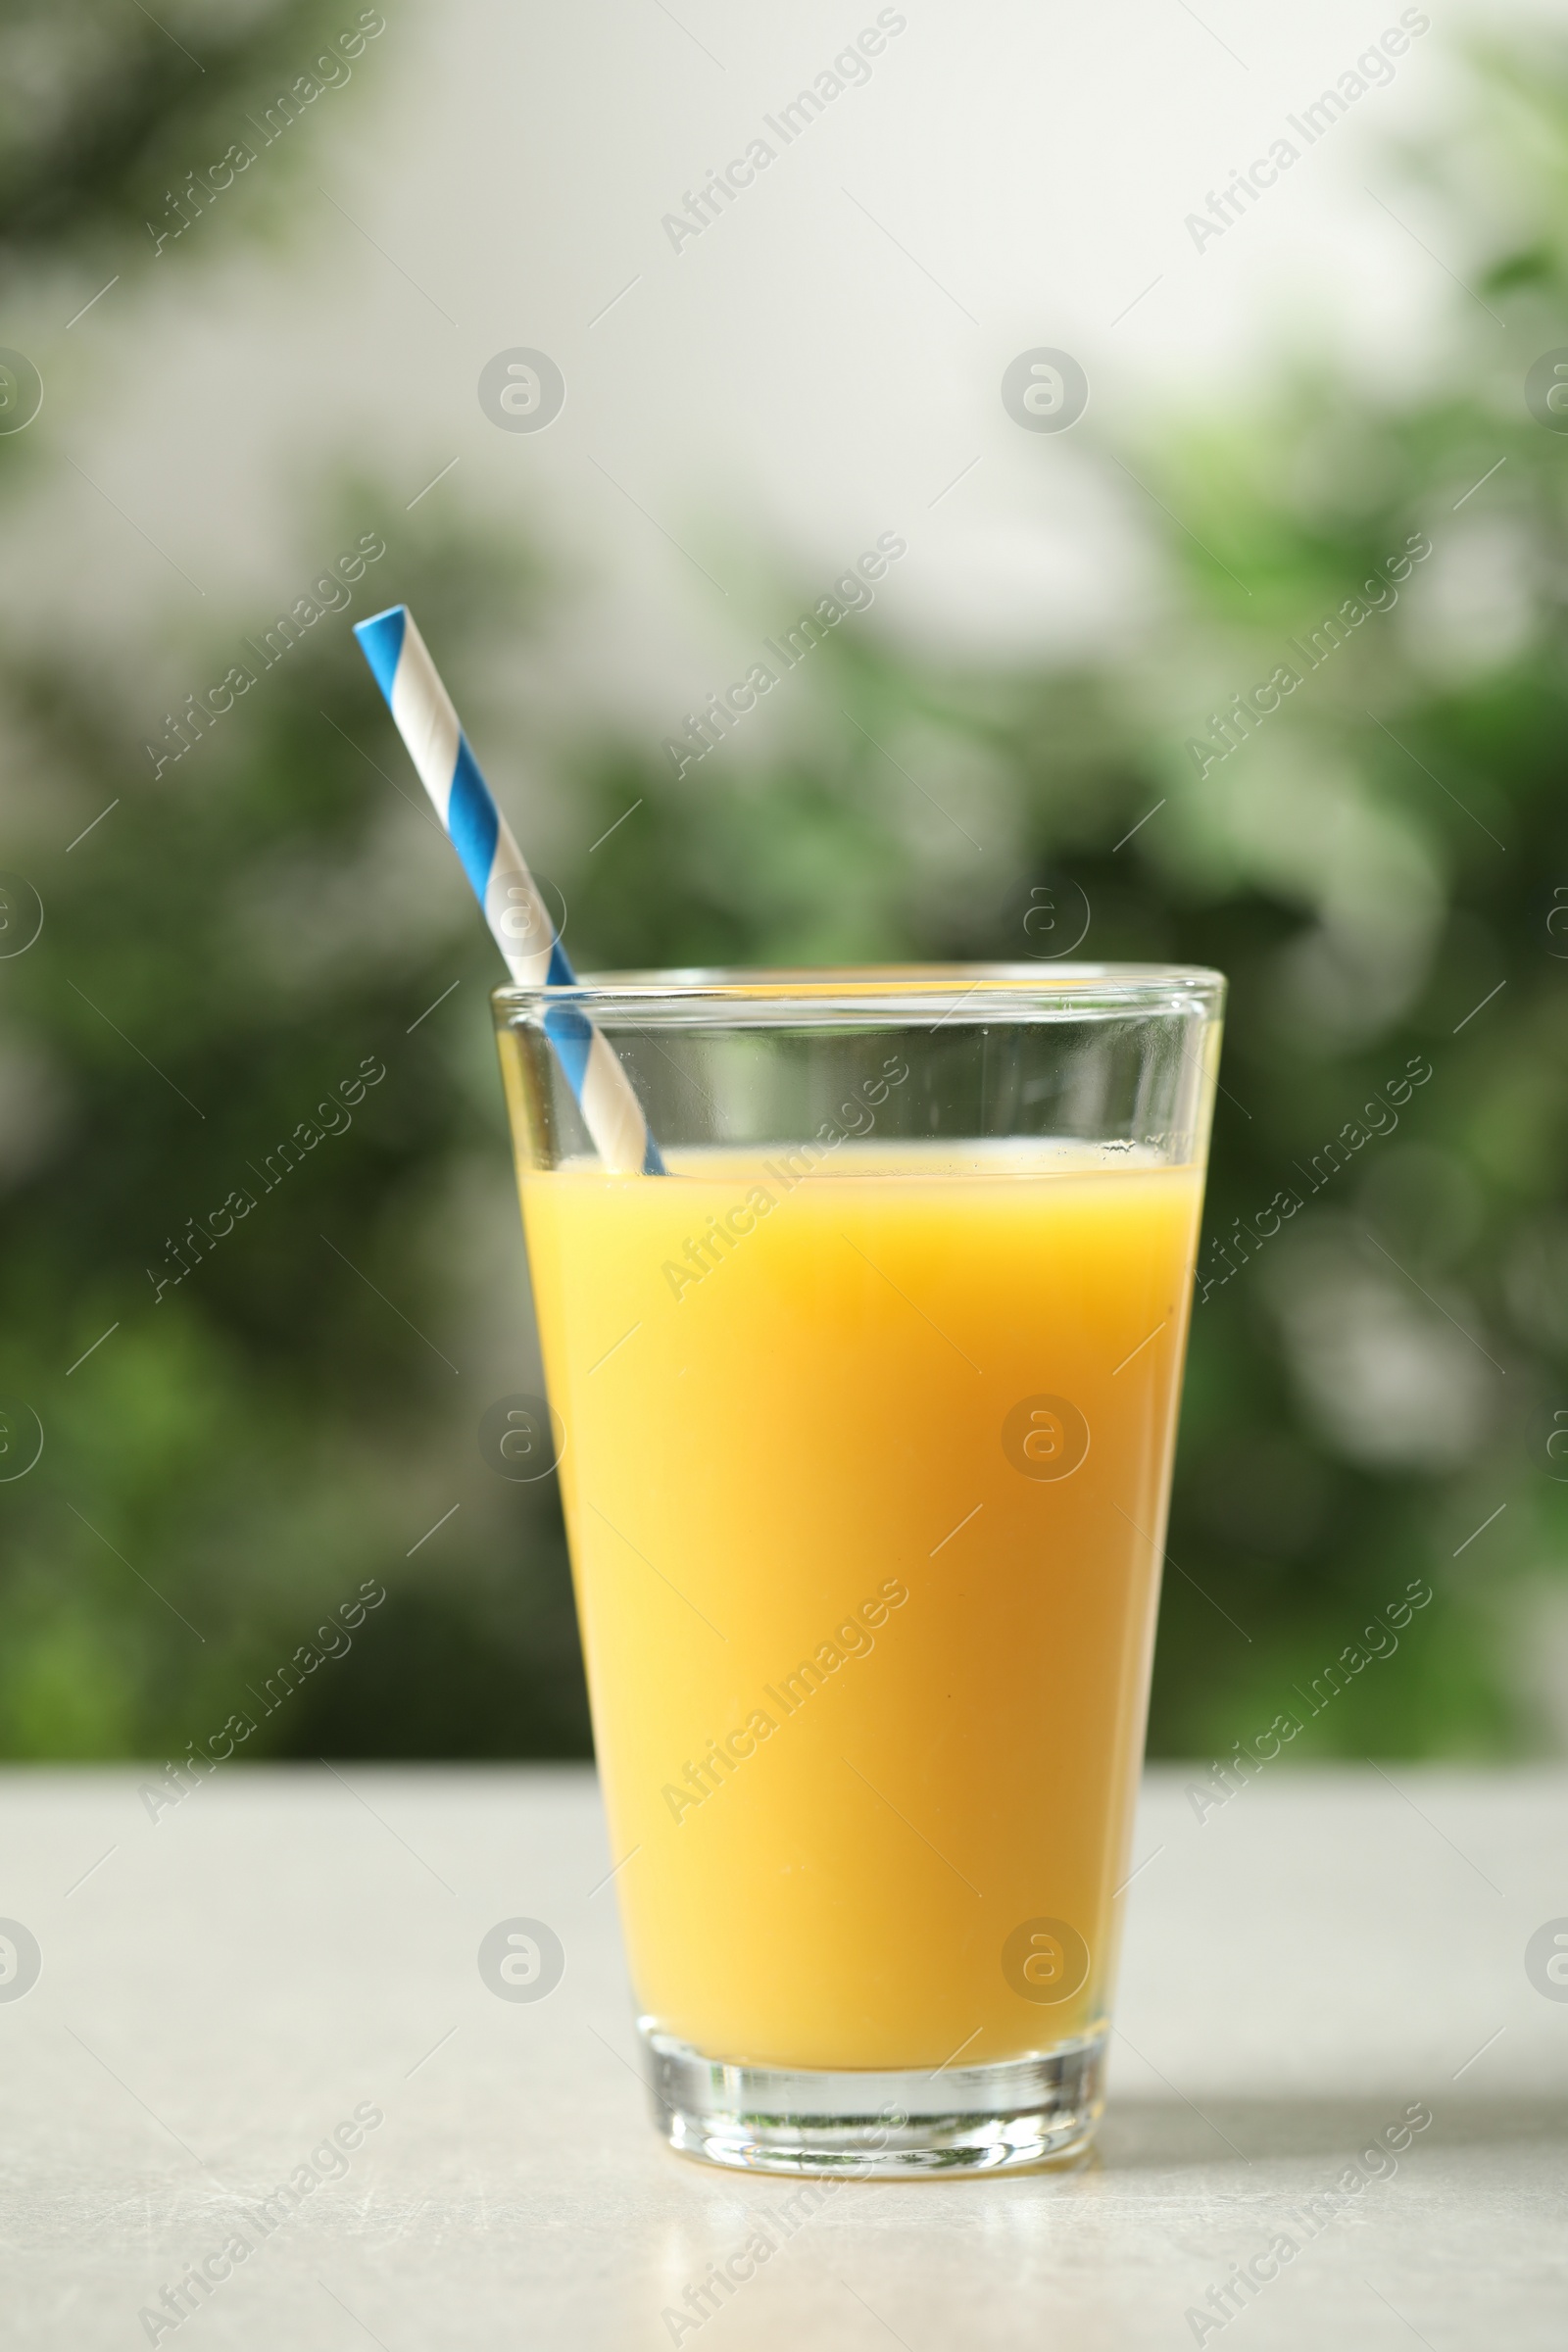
x,y
864,1475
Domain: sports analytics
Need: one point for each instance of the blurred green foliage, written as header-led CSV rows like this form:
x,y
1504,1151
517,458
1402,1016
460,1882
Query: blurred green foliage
x,y
1376,867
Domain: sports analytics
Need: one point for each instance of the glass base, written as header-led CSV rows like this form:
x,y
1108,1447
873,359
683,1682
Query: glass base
x,y
877,2125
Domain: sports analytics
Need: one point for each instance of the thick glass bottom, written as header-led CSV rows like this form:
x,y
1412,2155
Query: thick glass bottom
x,y
877,2125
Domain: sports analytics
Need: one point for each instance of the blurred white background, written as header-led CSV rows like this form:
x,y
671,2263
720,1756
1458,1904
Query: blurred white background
x,y
820,365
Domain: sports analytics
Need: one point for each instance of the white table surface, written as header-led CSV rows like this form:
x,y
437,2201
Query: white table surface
x,y
224,1987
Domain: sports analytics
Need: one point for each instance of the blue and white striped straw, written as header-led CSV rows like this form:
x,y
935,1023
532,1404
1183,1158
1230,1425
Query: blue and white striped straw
x,y
423,712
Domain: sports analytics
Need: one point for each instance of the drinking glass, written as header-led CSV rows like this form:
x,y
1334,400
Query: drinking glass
x,y
863,1416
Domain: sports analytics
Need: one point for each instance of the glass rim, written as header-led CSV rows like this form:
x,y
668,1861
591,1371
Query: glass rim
x,y
1032,991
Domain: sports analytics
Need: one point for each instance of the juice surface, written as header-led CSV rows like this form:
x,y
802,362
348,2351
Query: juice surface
x,y
864,1475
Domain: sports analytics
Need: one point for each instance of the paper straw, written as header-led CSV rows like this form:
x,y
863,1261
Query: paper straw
x,y
423,712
